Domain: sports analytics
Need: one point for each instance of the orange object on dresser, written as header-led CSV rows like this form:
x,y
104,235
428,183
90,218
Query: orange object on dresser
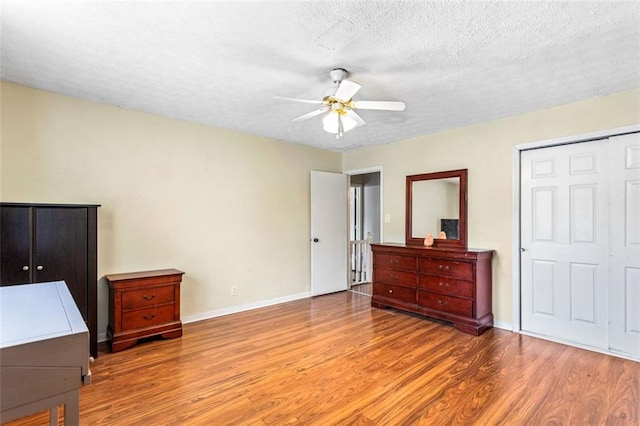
x,y
143,304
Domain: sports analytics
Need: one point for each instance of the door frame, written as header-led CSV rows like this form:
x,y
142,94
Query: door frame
x,y
364,171
516,218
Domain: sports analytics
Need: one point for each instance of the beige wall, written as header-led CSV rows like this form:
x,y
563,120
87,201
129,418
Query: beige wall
x,y
225,207
486,150
233,209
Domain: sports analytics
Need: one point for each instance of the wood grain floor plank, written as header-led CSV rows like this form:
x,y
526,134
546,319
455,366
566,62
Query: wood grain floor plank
x,y
334,360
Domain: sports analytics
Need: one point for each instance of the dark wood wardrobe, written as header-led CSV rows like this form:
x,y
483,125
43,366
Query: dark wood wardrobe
x,y
53,242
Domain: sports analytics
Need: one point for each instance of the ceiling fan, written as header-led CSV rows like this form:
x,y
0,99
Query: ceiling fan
x,y
340,107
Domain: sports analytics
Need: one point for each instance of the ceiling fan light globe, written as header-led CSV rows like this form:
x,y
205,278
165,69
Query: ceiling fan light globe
x,y
330,123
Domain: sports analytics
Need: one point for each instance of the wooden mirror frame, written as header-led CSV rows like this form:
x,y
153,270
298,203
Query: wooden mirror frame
x,y
462,231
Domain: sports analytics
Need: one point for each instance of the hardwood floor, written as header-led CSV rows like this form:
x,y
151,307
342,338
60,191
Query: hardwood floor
x,y
335,360
366,288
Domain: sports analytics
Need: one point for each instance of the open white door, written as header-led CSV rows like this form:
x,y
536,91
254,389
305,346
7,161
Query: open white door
x,y
329,231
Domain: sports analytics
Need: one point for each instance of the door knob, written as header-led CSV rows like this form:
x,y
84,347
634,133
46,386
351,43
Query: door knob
x,y
315,240
39,267
25,268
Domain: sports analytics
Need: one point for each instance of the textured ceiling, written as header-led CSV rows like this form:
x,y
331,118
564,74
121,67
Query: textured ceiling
x,y
220,63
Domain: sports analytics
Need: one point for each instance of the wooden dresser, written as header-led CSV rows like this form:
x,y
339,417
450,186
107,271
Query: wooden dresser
x,y
143,304
448,284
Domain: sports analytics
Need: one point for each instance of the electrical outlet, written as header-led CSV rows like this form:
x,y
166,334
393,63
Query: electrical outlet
x,y
234,290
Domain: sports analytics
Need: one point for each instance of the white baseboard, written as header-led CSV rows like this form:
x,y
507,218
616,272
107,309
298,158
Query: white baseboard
x,y
503,325
241,308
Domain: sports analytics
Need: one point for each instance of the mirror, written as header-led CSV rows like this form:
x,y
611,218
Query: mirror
x,y
437,202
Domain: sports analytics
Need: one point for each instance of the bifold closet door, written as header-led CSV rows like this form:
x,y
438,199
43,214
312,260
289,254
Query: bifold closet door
x,y
565,243
624,289
580,235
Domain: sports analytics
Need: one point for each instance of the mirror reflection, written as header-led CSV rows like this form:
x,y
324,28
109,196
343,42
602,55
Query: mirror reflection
x,y
437,202
436,207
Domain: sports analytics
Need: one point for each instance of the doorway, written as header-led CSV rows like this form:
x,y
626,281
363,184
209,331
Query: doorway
x,y
365,225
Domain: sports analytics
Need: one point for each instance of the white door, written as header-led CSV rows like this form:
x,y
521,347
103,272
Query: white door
x,y
625,246
329,231
565,243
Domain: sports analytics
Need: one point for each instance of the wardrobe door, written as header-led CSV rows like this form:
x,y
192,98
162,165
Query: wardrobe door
x,y
60,251
15,245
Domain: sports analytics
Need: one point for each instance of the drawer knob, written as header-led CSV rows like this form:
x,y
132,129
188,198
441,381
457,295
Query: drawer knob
x,y
25,268
445,267
390,291
147,318
442,303
39,267
145,297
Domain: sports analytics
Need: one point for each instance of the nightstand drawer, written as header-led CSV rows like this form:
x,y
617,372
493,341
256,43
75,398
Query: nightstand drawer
x,y
148,297
446,285
446,268
147,317
450,305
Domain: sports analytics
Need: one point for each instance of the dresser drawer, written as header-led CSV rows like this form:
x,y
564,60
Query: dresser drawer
x,y
394,261
446,285
148,297
451,305
446,268
401,278
395,292
147,317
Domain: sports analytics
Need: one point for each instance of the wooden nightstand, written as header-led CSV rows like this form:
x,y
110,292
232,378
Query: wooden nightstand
x,y
143,304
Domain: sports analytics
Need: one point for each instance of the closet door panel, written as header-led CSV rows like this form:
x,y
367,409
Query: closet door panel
x,y
61,250
624,293
565,237
15,245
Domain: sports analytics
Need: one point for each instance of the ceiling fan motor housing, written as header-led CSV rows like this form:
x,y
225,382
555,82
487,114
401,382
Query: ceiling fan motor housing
x,y
337,75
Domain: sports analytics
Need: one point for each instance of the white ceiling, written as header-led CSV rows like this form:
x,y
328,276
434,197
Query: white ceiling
x,y
454,63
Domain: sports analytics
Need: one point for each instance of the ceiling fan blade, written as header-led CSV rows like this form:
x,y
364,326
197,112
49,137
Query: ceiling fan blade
x,y
346,90
312,114
354,115
306,101
382,105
